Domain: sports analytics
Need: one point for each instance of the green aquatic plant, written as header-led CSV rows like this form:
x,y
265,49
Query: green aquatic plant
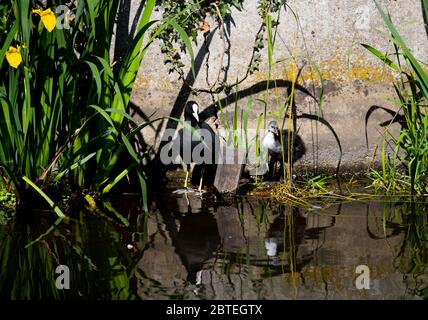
x,y
411,145
285,112
237,134
318,184
192,24
63,110
409,214
7,199
7,205
91,247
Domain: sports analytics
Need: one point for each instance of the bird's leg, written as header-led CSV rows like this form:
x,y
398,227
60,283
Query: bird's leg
x,y
271,168
200,181
187,177
281,171
188,202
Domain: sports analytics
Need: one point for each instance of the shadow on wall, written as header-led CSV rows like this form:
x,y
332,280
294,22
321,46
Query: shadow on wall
x,y
185,92
211,111
154,167
395,118
261,86
155,170
124,36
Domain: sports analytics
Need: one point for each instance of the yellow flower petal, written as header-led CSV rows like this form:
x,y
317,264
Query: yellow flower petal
x,y
48,18
91,202
13,57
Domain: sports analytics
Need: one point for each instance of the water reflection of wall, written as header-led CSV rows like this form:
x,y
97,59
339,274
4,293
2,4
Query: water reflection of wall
x,y
316,252
160,271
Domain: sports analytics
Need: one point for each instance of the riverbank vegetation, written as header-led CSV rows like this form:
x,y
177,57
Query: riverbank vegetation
x,y
65,99
64,102
407,168
69,145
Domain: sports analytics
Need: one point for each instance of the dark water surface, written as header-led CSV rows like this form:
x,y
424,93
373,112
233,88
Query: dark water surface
x,y
192,247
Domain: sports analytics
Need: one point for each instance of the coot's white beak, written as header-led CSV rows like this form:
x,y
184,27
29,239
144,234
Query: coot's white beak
x,y
196,116
196,112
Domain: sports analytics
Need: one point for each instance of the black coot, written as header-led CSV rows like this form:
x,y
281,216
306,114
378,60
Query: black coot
x,y
199,145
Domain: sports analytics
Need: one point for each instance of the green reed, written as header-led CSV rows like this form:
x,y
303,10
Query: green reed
x,y
412,259
64,119
99,269
411,145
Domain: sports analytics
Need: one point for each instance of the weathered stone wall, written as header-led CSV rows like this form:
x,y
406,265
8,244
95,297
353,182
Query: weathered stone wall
x,y
327,33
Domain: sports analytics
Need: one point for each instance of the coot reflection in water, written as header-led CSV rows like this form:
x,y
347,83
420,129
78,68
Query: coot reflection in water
x,y
196,242
261,246
196,248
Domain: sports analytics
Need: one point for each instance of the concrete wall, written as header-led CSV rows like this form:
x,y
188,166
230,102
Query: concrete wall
x,y
327,33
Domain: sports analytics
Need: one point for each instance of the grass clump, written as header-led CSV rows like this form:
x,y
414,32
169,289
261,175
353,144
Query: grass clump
x,y
410,150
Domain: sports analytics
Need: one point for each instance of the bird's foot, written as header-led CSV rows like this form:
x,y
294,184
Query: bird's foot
x,y
188,190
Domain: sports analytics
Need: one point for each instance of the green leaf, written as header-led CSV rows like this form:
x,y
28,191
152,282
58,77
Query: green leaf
x,y
398,40
53,206
110,208
187,43
74,166
11,34
104,114
97,77
118,178
382,57
140,173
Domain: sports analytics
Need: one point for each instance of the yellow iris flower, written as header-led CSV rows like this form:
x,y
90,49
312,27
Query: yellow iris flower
x,y
13,56
91,202
48,18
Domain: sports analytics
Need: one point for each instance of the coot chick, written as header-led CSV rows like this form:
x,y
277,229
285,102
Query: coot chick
x,y
280,152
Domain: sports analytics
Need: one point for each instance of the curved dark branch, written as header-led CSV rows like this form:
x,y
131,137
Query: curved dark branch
x,y
222,86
